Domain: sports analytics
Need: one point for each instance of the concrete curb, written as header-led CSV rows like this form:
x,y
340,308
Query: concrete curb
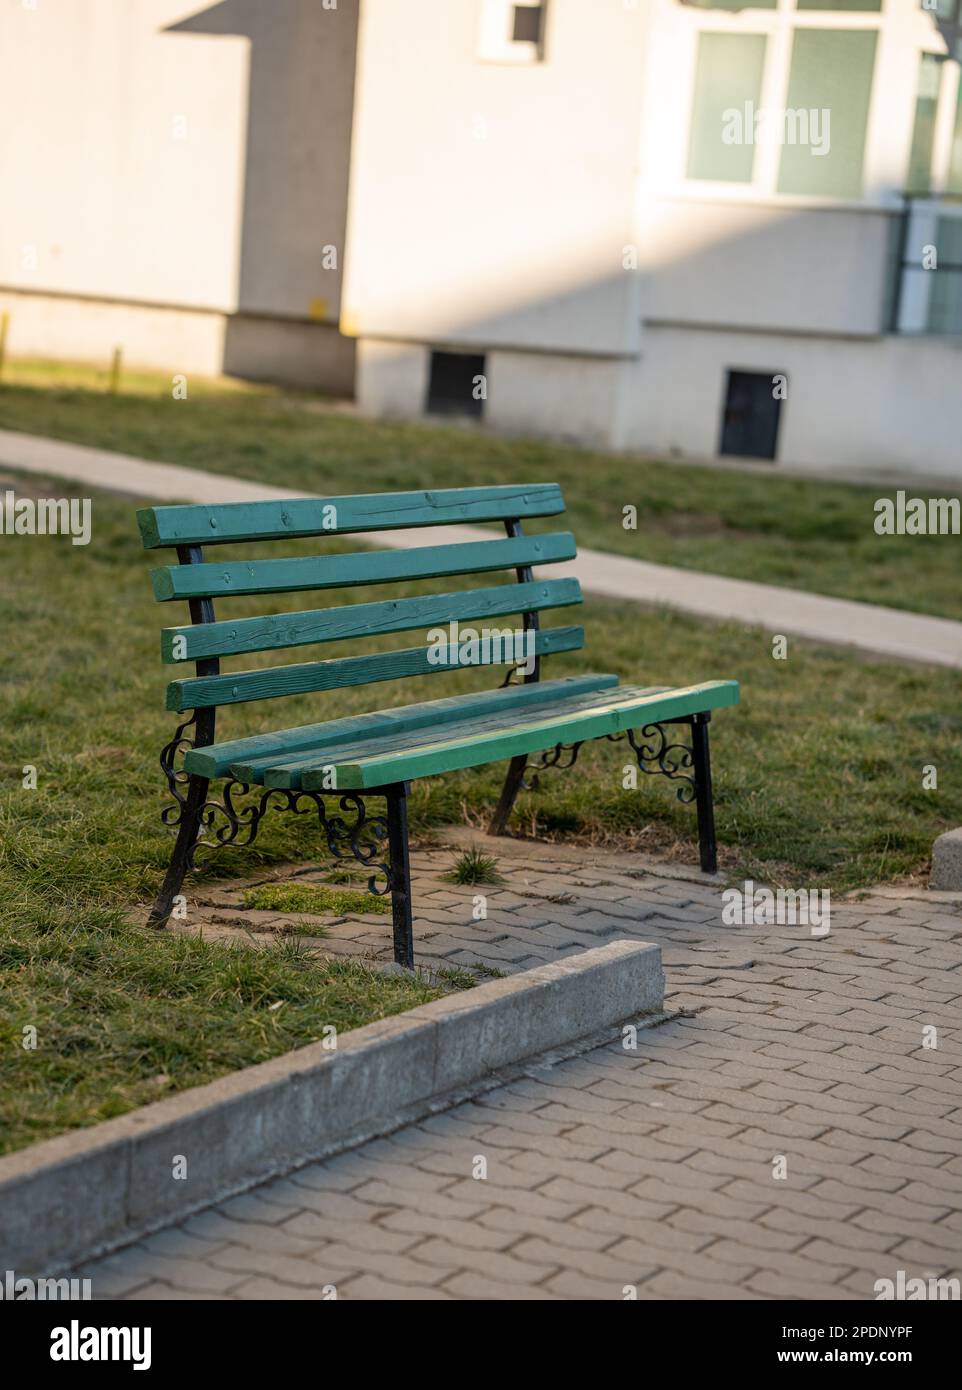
x,y
71,1198
946,875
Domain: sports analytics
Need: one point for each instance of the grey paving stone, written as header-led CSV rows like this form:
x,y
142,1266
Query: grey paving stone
x,y
369,1287
481,1287
669,1284
748,1234
889,1230
419,1226
828,1200
278,1239
186,1272
157,1292
574,1231
235,1261
458,1200
493,1264
654,1237
771,1283
313,1231
267,1206
117,1276
263,1289
624,1205
624,1267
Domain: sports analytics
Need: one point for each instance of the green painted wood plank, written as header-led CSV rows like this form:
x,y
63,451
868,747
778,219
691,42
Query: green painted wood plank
x,y
288,772
300,629
373,768
248,757
367,567
240,687
338,516
284,772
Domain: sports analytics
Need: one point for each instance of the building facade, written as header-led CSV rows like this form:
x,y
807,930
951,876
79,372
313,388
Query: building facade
x,y
583,218
688,229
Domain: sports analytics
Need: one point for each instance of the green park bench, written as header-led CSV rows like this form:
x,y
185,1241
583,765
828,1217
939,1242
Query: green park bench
x,y
379,754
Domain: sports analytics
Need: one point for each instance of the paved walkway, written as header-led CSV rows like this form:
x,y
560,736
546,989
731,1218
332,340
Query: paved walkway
x,y
653,1167
876,631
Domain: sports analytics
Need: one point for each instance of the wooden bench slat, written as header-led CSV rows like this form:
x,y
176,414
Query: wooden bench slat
x,y
366,567
241,687
378,763
261,751
281,771
338,516
300,629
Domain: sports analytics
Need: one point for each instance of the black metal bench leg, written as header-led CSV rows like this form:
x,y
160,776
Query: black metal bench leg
x,y
187,833
512,785
397,831
701,764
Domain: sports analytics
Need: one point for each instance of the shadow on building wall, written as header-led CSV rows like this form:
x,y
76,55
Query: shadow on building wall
x,y
296,174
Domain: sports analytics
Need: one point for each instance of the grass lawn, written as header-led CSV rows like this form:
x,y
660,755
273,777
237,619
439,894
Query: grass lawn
x,y
777,530
818,782
124,1016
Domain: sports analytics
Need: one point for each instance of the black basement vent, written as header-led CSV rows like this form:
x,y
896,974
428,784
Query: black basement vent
x,y
454,388
750,421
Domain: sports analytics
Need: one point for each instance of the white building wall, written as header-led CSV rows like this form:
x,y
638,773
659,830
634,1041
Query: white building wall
x,y
122,161
189,157
578,399
885,405
79,330
491,200
774,268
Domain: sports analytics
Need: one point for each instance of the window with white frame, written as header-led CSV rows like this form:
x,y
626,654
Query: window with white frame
x,y
935,160
782,94
512,32
932,302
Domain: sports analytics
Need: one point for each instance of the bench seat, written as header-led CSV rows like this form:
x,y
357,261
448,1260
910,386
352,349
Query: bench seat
x,y
445,735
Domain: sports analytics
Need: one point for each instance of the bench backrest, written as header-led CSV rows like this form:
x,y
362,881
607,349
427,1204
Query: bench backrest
x,y
200,581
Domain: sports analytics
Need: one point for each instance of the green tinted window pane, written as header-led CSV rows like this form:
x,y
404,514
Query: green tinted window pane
x,y
839,4
728,75
923,133
953,181
945,293
827,112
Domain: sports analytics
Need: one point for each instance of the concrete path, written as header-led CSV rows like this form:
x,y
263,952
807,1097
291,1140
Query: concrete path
x,y
882,632
655,1168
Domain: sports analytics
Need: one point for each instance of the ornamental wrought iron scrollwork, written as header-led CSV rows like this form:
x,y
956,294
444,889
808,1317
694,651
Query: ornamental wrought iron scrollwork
x,y
651,745
177,778
354,834
224,823
361,840
561,756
